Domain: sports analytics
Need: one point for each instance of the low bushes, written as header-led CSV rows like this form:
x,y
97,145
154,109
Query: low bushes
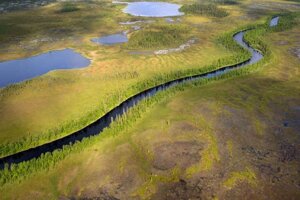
x,y
48,160
159,36
210,10
68,7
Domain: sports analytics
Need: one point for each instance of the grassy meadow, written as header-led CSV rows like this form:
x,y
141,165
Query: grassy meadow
x,y
231,138
183,143
61,102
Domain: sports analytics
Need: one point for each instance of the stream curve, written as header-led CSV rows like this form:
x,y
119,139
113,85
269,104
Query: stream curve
x,y
103,122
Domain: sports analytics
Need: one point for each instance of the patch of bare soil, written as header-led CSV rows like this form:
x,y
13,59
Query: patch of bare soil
x,y
102,195
183,190
288,152
282,43
273,157
181,153
296,52
179,128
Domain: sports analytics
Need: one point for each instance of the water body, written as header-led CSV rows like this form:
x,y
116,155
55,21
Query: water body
x,y
153,9
111,39
103,122
256,55
274,21
19,70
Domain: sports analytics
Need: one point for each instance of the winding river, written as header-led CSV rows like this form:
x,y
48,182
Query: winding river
x,y
103,122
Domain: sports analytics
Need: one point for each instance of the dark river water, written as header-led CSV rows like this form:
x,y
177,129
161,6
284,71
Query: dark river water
x,y
103,122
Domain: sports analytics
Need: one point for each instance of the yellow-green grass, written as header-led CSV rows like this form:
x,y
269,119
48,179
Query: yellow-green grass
x,y
127,158
68,98
236,177
61,102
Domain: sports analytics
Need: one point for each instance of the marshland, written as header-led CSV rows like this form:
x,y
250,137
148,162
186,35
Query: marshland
x,y
218,119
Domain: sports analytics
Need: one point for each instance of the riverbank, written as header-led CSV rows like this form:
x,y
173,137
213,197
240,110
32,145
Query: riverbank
x,y
178,148
66,101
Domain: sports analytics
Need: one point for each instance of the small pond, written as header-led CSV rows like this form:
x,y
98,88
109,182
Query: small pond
x,y
111,39
153,9
274,21
15,71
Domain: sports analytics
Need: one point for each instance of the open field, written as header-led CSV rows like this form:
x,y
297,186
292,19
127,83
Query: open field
x,y
179,147
61,102
227,139
64,101
68,98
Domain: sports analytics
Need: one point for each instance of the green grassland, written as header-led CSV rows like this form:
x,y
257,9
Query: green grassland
x,y
60,102
223,139
167,146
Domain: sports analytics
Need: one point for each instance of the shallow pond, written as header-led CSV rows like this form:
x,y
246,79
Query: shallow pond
x,y
274,21
15,71
153,9
111,39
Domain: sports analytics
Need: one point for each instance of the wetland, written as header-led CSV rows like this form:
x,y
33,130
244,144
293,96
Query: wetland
x,y
149,100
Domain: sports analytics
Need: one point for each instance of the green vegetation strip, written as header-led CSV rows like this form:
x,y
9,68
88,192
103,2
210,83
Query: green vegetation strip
x,y
286,21
27,142
68,7
210,10
20,171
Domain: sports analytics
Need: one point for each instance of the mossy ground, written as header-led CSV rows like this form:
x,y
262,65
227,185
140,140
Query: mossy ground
x,y
69,97
160,36
238,123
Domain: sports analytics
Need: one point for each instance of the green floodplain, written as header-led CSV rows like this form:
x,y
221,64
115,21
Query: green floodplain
x,y
233,137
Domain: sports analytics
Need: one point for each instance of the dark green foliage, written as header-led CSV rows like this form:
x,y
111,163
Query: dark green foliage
x,y
286,21
68,7
204,9
225,2
158,36
294,0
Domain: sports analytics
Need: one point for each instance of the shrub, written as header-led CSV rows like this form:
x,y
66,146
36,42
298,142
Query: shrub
x,y
204,9
158,36
68,7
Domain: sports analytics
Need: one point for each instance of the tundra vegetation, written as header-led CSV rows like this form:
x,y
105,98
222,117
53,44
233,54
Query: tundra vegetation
x,y
204,9
218,138
159,36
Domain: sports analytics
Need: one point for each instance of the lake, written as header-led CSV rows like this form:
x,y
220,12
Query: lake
x,y
15,71
153,9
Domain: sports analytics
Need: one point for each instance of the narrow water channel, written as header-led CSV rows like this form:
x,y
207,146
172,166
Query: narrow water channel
x,y
103,122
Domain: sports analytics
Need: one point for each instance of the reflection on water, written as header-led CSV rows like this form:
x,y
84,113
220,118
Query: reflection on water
x,y
15,71
256,56
111,39
153,9
274,21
